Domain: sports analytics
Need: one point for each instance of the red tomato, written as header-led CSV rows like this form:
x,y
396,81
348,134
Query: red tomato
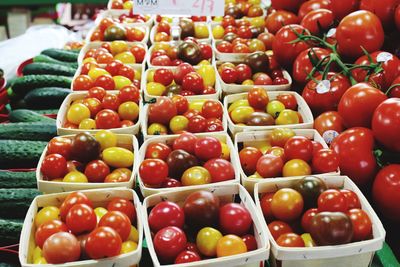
x,y
61,146
290,240
243,73
265,204
163,76
117,221
250,241
362,225
385,10
105,23
326,101
129,93
139,53
97,92
103,242
157,151
278,228
113,67
169,242
61,247
93,104
276,20
82,83
47,229
54,166
358,104
162,111
127,71
258,98
225,47
385,191
181,103
386,124
123,205
71,200
81,218
107,119
325,160
96,171
207,148
206,51
302,66
352,199
390,65
359,29
329,124
214,125
311,5
161,61
165,214
110,101
288,100
299,147
153,171
318,21
234,219
185,141
104,58
291,5
284,51
332,200
397,17
248,159
212,109
170,182
181,71
317,146
197,124
187,256
306,219
220,170
269,166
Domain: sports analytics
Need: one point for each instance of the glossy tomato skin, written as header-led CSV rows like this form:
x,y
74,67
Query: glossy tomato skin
x,y
165,214
250,242
117,221
201,209
278,228
187,256
331,228
153,171
54,166
81,218
248,159
276,20
103,242
325,160
169,242
332,200
342,8
287,4
311,5
358,104
354,148
359,29
285,52
299,147
329,121
397,17
302,66
162,111
157,151
290,240
269,166
362,225
60,145
386,124
287,204
234,219
318,21
385,191
385,10
326,101
208,148
220,170
306,219
61,247
71,200
265,204
123,205
185,141
47,229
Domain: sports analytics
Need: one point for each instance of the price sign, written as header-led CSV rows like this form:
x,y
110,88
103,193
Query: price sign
x,y
180,7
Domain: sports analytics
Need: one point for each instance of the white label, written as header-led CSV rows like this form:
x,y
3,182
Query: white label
x,y
323,87
384,56
179,7
329,136
331,32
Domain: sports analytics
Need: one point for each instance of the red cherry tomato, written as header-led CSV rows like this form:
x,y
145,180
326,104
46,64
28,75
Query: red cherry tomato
x,y
129,93
82,83
110,102
278,228
332,200
325,160
105,81
220,170
197,124
165,214
258,98
306,219
181,103
276,20
113,67
47,229
362,225
61,146
250,241
234,219
117,221
71,200
127,71
103,242
265,204
269,166
97,92
81,218
299,147
54,166
61,247
163,76
248,159
187,256
212,109
290,240
153,171
96,171
185,141
123,205
157,151
289,100
208,148
169,242
351,198
107,119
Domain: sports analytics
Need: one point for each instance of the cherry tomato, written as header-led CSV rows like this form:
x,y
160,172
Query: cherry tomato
x,y
265,204
97,92
220,170
287,204
45,230
332,200
279,136
187,256
162,111
96,171
129,93
278,228
61,247
113,67
110,101
212,109
250,241
82,83
230,245
318,21
61,146
302,66
103,242
197,124
139,52
181,103
351,198
81,218
207,148
362,225
248,159
269,166
299,147
258,98
127,71
234,219
158,151
107,119
276,20
169,242
289,100
325,160
105,81
290,240
163,76
153,171
165,214
117,221
54,166
306,219
123,205
207,240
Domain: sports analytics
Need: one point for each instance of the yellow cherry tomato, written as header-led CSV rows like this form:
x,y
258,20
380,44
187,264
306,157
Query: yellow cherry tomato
x,y
218,32
106,139
134,234
117,47
248,82
230,245
37,253
125,57
94,73
121,82
118,157
128,5
226,153
204,62
257,21
241,114
308,241
238,103
75,177
207,72
150,75
87,124
162,46
128,111
296,167
77,113
197,104
287,116
128,246
219,18
196,176
156,89
201,30
178,124
157,129
207,240
100,212
47,214
89,59
274,108
40,260
138,74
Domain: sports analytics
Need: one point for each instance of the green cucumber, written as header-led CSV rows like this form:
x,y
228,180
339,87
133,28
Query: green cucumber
x,y
47,111
15,202
47,59
27,83
20,154
26,115
11,179
47,97
10,231
48,68
61,54
34,131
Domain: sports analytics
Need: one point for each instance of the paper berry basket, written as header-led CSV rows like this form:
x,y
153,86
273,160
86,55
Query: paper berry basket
x,y
116,13
207,40
147,191
127,141
99,197
62,117
249,138
148,97
303,109
224,192
143,26
358,254
228,89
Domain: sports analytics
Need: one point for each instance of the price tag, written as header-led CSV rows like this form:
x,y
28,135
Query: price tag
x,y
179,7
